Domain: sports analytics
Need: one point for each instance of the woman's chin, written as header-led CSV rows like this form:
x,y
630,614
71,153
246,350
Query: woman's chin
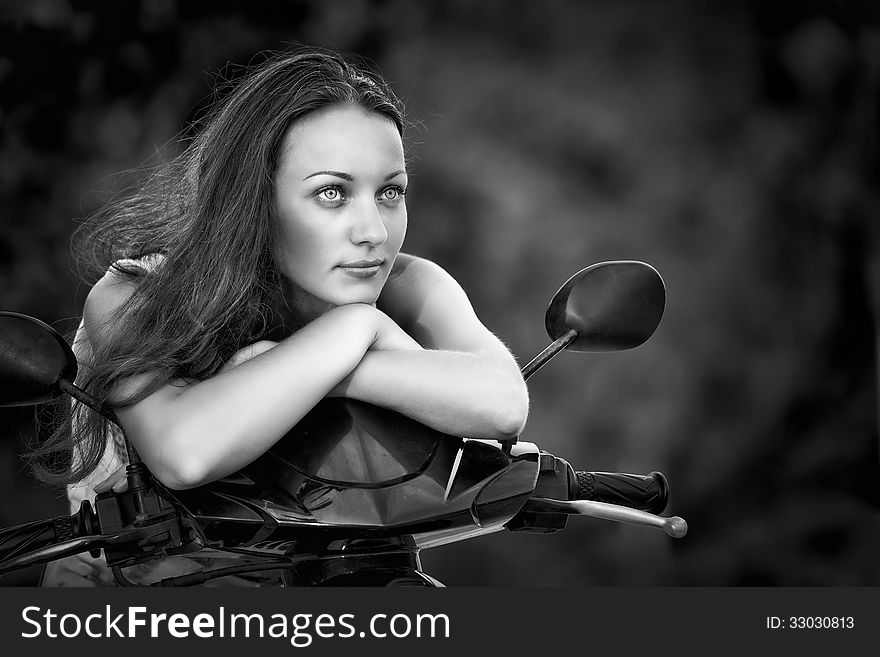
x,y
346,300
366,291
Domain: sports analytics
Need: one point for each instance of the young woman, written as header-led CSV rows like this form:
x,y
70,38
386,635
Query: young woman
x,y
261,272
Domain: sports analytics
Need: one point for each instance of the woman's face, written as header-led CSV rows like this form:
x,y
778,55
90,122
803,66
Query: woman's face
x,y
340,206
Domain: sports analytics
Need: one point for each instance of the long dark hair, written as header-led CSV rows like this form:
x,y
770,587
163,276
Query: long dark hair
x,y
209,212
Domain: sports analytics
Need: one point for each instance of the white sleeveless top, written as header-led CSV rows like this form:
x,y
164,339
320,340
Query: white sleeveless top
x,y
115,456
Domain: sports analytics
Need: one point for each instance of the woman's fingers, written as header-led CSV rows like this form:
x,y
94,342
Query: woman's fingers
x,y
116,481
391,337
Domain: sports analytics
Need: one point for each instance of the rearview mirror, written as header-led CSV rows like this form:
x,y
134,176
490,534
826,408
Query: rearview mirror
x,y
34,361
609,306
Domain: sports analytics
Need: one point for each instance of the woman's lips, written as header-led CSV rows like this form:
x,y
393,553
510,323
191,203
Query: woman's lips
x,y
362,268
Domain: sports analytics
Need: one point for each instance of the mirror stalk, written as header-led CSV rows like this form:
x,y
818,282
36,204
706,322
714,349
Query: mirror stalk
x,y
544,357
136,472
101,409
83,397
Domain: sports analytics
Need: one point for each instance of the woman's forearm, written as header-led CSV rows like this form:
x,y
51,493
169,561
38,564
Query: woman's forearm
x,y
465,394
203,431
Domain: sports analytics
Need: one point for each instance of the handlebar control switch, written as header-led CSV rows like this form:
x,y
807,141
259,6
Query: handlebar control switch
x,y
556,479
149,521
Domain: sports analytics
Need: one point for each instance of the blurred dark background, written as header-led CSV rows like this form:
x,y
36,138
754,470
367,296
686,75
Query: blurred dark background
x,y
733,145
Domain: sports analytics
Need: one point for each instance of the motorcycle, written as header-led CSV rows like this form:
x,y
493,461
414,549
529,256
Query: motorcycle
x,y
353,492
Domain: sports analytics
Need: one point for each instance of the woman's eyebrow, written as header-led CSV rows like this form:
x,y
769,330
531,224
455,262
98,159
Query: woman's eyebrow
x,y
348,177
338,174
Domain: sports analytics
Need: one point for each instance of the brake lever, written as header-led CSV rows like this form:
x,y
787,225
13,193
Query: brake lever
x,y
82,544
674,526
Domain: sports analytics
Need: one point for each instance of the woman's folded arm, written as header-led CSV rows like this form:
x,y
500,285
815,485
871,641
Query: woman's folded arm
x,y
477,395
463,382
191,433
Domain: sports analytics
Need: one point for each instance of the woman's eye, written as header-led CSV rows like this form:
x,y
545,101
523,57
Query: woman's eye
x,y
392,194
330,196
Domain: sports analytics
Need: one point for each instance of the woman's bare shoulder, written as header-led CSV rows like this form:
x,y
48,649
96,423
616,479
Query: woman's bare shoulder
x,y
414,286
103,313
400,294
105,301
411,272
109,294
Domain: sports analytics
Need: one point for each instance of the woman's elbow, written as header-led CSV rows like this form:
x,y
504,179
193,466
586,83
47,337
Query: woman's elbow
x,y
179,468
180,476
511,425
511,411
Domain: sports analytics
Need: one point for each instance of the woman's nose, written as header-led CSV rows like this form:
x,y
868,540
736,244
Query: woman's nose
x,y
368,226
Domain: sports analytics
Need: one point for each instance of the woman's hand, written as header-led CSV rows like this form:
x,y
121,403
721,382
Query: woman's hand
x,y
389,337
384,333
117,481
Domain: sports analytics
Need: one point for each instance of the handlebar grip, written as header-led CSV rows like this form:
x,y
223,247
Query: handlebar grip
x,y
647,493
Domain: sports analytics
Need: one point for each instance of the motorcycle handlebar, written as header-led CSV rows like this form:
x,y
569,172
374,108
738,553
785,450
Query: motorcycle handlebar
x,y
41,541
647,493
560,491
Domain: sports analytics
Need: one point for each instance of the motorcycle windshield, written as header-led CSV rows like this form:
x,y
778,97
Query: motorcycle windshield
x,y
352,444
348,464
